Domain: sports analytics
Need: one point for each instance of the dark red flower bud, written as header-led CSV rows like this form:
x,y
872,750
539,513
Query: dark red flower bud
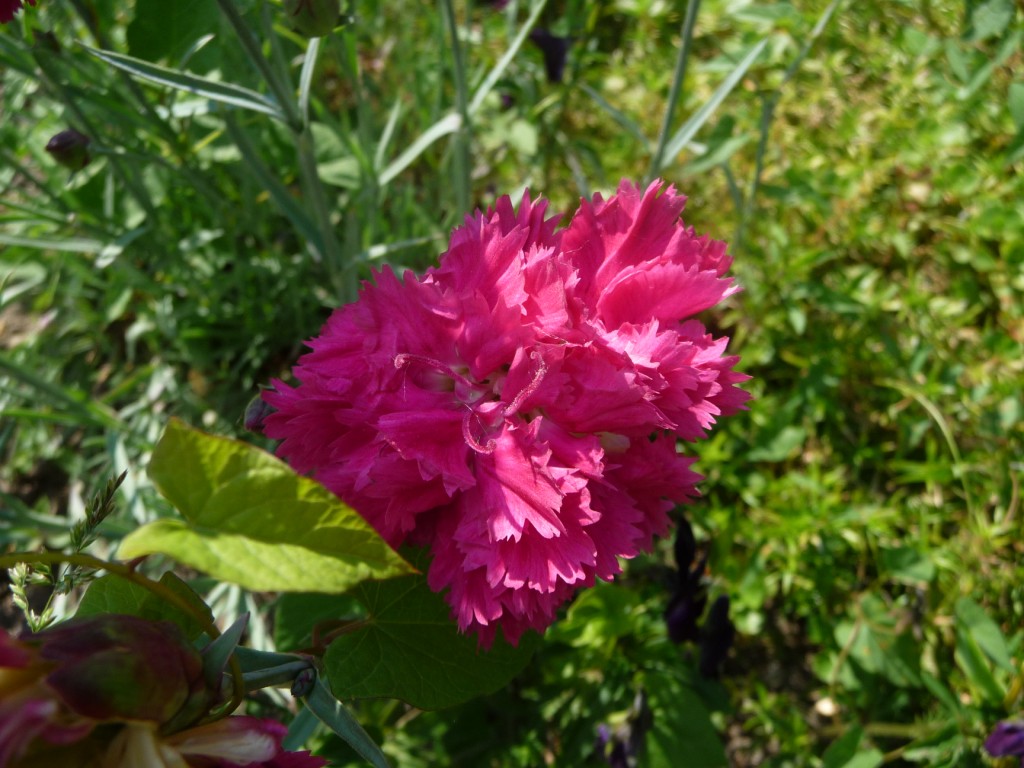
x,y
70,148
313,18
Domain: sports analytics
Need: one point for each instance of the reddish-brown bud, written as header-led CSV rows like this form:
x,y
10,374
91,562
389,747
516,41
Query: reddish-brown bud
x,y
70,148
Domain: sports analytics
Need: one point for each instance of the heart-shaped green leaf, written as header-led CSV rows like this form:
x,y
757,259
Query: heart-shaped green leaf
x,y
408,648
114,594
251,520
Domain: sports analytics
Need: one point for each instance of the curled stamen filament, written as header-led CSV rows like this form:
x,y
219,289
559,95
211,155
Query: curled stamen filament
x,y
405,359
471,441
530,388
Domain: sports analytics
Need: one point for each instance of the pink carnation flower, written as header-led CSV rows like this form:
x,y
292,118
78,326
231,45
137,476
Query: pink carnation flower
x,y
517,408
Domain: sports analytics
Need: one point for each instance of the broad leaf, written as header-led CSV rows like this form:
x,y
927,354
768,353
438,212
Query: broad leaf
x,y
114,594
850,751
409,648
296,614
682,726
250,520
971,617
162,30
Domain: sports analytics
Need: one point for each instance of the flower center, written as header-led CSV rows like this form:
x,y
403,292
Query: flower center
x,y
483,416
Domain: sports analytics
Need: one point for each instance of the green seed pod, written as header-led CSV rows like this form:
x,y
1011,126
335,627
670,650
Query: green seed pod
x,y
313,18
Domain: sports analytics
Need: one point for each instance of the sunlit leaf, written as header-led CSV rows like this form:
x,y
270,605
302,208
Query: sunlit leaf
x,y
250,520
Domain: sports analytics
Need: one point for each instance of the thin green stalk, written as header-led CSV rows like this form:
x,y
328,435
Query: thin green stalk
x,y
461,138
276,77
282,92
343,278
11,161
768,115
275,676
686,33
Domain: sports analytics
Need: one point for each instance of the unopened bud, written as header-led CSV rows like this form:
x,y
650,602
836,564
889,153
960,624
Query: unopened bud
x,y
255,412
70,148
716,638
303,683
313,18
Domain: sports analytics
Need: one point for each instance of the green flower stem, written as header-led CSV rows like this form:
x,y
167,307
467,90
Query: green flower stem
x,y
282,92
461,138
276,78
686,34
768,105
343,279
1015,690
129,573
280,676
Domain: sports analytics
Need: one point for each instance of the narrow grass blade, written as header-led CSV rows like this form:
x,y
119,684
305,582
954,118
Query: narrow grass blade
x,y
74,401
689,129
617,115
446,125
499,68
223,93
69,245
385,137
284,199
306,78
333,714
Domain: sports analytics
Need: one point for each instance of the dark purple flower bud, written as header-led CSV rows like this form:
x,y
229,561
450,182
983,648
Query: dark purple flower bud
x,y
255,412
70,148
303,683
685,547
716,638
1007,740
313,18
10,7
682,615
555,50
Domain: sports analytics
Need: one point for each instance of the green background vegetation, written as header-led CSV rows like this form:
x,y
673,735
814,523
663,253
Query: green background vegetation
x,y
864,515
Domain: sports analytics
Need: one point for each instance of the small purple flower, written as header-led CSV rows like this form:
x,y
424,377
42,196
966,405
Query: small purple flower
x,y
1007,740
555,50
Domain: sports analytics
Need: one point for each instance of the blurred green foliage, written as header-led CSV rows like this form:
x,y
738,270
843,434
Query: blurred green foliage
x,y
864,516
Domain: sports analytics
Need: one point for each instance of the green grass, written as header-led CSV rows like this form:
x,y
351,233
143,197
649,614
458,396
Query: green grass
x,y
864,515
